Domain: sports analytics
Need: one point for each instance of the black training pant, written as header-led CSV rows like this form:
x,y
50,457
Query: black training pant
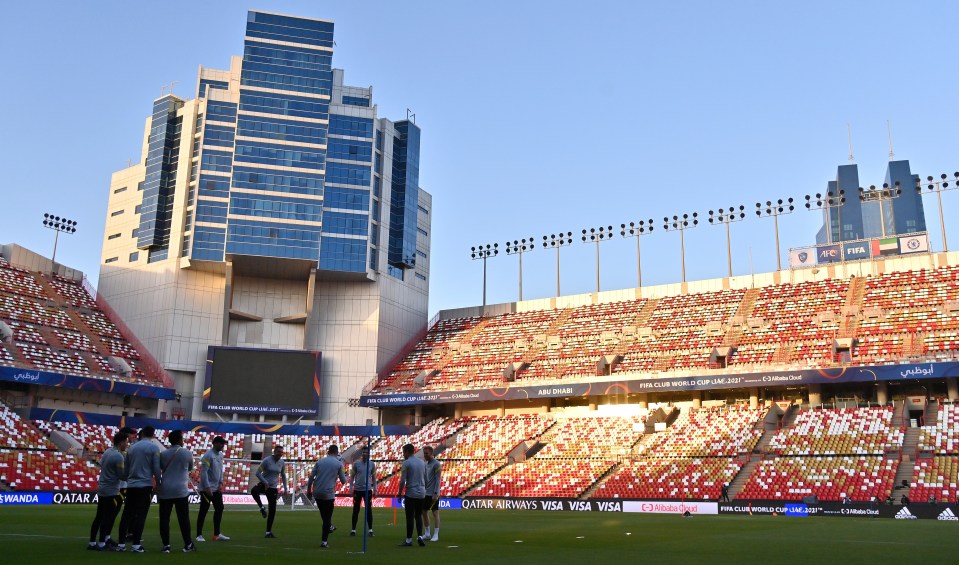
x,y
326,513
135,511
182,506
367,497
107,509
414,513
205,502
271,495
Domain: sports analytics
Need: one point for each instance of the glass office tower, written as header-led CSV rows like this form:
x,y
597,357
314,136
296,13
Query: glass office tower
x,y
274,209
893,213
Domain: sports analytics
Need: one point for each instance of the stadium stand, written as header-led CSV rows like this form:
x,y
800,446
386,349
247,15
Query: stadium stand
x,y
544,478
697,478
707,433
840,431
828,478
58,326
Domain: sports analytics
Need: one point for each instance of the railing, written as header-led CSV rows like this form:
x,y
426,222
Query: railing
x,y
148,364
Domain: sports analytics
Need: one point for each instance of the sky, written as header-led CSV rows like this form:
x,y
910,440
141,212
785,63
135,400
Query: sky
x,y
537,117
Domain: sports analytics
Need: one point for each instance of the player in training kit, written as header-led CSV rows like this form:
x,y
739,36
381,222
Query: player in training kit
x,y
323,478
143,471
176,463
270,471
122,529
363,482
211,481
432,501
413,483
112,471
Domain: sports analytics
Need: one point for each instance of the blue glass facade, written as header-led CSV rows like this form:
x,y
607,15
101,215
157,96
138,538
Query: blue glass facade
x,y
404,193
161,168
283,166
873,217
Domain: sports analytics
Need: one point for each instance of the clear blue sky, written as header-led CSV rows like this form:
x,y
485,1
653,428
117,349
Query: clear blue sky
x,y
537,117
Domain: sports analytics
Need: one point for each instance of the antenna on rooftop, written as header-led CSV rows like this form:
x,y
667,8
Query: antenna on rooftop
x,y
410,115
849,139
889,129
169,85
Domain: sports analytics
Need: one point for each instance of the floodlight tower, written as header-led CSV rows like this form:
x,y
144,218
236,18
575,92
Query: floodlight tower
x,y
484,253
825,202
637,229
596,235
872,194
518,247
938,187
776,209
681,224
557,240
728,216
58,224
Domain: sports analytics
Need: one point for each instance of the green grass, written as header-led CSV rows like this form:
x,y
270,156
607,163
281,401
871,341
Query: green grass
x,y
57,534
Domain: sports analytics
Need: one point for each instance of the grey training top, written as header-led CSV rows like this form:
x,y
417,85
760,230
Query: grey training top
x,y
361,478
176,462
143,464
433,478
323,478
270,471
112,472
211,470
413,476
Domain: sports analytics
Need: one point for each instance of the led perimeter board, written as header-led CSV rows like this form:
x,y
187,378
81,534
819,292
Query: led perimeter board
x,y
262,381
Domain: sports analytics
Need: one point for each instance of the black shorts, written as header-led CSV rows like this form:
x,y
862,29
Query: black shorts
x,y
430,503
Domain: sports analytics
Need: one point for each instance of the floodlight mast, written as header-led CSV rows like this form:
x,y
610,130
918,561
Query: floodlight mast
x,y
728,216
872,194
602,233
775,209
637,229
58,224
557,240
681,224
518,247
484,252
826,202
938,186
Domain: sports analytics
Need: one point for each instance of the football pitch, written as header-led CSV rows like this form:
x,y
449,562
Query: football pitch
x,y
58,534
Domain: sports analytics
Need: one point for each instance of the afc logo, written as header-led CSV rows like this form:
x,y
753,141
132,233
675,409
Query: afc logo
x,y
828,254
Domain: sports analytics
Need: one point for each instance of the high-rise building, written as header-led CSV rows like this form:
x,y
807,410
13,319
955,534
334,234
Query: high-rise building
x,y
275,209
889,212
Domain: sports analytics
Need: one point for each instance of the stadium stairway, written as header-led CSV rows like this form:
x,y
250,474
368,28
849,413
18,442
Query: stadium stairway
x,y
742,477
588,493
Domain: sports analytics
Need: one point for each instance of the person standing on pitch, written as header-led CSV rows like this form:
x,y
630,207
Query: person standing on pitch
x,y
413,483
323,477
123,528
270,471
211,481
432,501
143,472
363,482
112,471
173,492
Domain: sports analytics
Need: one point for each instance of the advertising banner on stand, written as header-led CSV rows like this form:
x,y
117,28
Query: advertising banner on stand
x,y
802,258
914,243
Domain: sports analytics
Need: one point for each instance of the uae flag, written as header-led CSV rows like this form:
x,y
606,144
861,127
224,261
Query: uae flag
x,y
889,246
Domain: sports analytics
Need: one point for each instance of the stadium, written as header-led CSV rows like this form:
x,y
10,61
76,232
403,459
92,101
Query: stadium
x,y
280,297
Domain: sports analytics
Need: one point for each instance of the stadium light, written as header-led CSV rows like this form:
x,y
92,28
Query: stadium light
x,y
872,194
518,247
556,241
728,216
681,224
776,209
596,235
484,252
826,202
637,229
58,224
938,186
